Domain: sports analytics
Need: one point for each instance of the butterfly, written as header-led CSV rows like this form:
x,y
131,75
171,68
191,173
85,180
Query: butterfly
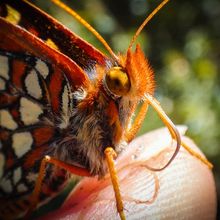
x,y
62,99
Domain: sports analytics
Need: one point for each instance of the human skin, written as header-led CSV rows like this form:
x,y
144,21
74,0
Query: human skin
x,y
183,190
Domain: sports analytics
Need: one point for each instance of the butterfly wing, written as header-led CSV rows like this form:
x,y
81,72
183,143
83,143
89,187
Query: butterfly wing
x,y
35,97
36,83
52,33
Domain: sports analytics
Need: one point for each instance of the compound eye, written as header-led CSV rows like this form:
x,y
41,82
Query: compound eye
x,y
117,81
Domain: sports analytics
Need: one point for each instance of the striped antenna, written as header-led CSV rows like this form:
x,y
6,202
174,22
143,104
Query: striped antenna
x,y
150,16
85,24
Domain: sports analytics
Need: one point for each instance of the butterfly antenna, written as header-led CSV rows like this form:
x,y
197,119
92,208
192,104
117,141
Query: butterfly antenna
x,y
150,16
85,24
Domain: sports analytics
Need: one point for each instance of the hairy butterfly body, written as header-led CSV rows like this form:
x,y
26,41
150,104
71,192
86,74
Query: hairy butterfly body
x,y
62,98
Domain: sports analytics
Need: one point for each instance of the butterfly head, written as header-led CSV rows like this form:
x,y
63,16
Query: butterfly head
x,y
133,77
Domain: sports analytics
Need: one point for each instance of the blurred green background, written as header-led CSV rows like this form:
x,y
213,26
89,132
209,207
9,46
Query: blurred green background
x,y
182,44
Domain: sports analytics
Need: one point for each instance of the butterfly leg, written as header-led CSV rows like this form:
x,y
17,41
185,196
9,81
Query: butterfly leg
x,y
197,155
110,154
37,189
174,132
169,124
131,133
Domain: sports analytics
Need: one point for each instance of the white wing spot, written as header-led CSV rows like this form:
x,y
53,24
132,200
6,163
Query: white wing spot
x,y
6,185
42,68
29,111
2,163
65,100
31,177
32,85
7,121
21,143
4,67
65,108
22,188
17,175
2,84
